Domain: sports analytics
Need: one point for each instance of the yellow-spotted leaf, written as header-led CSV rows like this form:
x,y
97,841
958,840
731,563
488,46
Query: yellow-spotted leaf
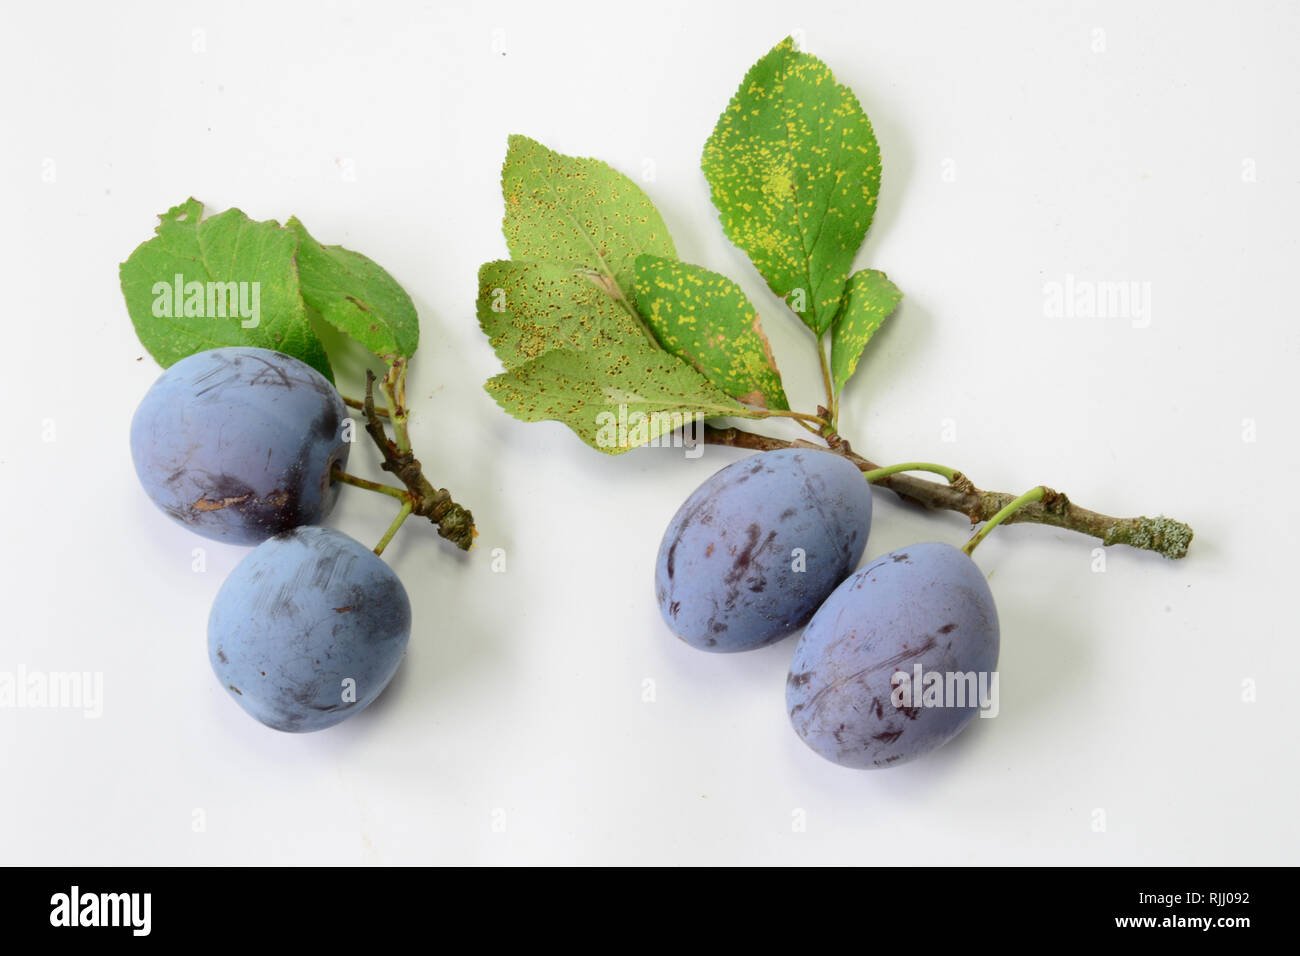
x,y
794,170
705,319
869,298
615,399
578,212
528,308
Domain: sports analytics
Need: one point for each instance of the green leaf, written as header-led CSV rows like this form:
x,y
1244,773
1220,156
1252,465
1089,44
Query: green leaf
x,y
356,296
580,213
794,169
869,298
528,308
704,318
615,399
226,280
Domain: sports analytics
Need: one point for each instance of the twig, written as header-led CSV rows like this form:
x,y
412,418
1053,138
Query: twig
x,y
1163,535
455,523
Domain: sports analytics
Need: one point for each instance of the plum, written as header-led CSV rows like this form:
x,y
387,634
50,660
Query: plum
x,y
756,548
238,443
919,611
308,629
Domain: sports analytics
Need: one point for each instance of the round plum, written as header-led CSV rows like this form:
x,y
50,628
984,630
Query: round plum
x,y
860,690
308,629
238,443
756,548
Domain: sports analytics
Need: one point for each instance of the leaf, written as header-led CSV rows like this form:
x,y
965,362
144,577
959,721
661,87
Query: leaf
x,y
198,281
705,319
615,399
356,296
578,212
528,308
794,169
869,298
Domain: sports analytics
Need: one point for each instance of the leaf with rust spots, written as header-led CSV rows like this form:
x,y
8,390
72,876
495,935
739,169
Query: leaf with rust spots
x,y
528,308
356,296
794,169
578,212
614,399
869,298
705,319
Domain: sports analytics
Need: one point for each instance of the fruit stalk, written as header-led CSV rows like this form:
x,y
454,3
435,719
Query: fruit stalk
x,y
455,523
1165,536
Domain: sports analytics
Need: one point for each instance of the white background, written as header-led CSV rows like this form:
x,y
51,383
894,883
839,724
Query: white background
x,y
1020,145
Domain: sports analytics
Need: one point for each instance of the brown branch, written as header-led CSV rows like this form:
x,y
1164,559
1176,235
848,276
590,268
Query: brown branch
x,y
455,523
1162,535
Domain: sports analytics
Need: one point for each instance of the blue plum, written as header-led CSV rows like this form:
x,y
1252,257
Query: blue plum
x,y
919,611
238,443
756,548
308,629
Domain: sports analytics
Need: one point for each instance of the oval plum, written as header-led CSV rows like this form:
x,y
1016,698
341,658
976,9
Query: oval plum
x,y
758,546
860,690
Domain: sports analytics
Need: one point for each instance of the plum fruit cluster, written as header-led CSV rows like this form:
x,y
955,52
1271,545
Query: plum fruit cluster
x,y
239,444
769,544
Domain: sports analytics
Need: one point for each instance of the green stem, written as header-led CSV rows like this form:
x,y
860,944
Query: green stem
x,y
832,401
393,386
876,474
392,528
1033,494
339,475
359,404
783,413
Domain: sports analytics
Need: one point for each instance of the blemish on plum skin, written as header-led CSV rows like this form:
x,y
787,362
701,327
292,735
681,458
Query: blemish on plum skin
x,y
947,628
345,608
888,736
221,656
236,690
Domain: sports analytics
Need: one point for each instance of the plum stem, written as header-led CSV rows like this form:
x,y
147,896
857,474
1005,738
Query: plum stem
x,y
877,473
1011,507
337,474
359,404
1165,536
402,515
